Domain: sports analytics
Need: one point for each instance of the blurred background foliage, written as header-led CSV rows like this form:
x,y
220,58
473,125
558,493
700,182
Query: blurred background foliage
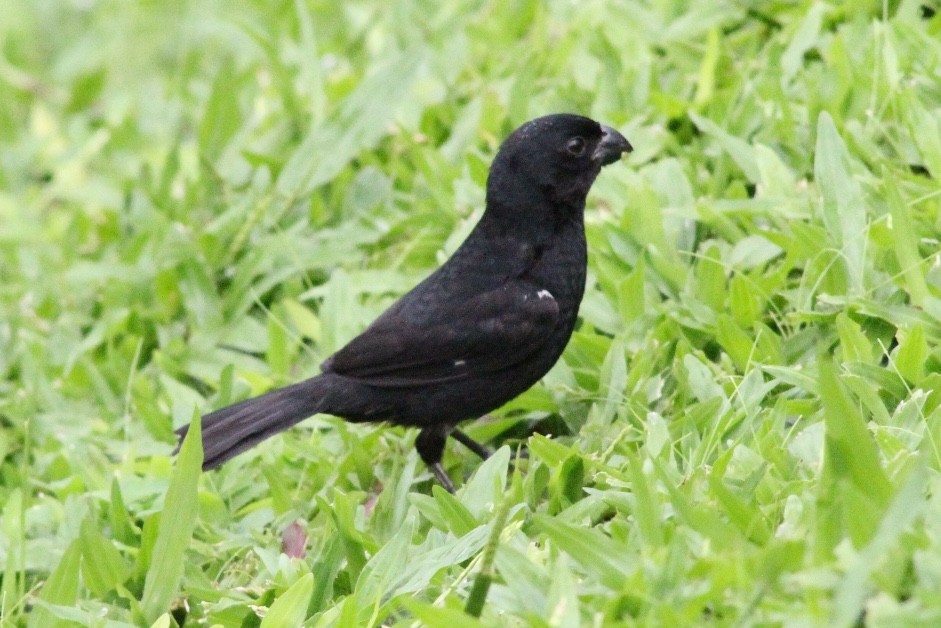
x,y
202,200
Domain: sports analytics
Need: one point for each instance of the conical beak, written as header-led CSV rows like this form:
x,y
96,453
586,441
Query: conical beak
x,y
611,146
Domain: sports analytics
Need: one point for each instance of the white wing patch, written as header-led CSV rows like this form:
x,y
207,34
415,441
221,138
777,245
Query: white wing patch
x,y
544,294
460,362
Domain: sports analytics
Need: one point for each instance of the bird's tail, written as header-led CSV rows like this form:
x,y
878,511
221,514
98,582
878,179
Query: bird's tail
x,y
229,431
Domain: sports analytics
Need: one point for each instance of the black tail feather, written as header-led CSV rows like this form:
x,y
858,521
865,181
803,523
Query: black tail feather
x,y
229,431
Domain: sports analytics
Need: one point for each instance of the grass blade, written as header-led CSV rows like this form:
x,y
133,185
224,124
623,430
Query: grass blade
x,y
175,528
290,608
60,589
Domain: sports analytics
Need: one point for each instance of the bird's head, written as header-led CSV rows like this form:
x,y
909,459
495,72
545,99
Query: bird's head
x,y
551,161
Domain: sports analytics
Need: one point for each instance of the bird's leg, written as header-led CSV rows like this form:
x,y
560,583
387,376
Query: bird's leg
x,y
471,444
446,482
430,446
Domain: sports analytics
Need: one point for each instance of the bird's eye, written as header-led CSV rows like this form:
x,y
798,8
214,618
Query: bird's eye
x,y
576,146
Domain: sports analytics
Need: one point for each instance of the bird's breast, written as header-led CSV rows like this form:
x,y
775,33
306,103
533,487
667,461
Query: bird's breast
x,y
559,268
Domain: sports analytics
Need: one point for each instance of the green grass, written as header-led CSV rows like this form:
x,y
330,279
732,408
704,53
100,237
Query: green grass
x,y
200,201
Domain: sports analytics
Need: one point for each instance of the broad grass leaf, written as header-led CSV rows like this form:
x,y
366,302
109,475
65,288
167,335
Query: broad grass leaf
x,y
711,279
905,242
777,179
290,608
175,527
528,580
647,504
700,378
738,344
887,381
361,120
745,301
326,568
853,488
854,345
121,525
280,347
149,530
457,517
656,435
741,152
487,485
631,293
805,37
925,129
222,118
849,444
613,381
870,391
342,508
551,452
843,211
386,568
401,567
900,315
703,520
304,320
336,324
906,506
310,80
424,562
753,251
562,604
567,483
103,568
912,354
431,615
598,554
743,513
430,509
164,621
60,588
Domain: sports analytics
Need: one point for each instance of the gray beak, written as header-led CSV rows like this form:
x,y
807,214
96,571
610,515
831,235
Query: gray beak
x,y
611,146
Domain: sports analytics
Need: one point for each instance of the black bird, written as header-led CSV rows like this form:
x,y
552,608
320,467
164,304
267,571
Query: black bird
x,y
478,331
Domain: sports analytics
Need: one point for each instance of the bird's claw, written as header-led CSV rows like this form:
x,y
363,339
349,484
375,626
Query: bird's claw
x,y
442,477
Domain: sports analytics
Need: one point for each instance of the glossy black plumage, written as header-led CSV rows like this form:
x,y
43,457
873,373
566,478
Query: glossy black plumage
x,y
478,331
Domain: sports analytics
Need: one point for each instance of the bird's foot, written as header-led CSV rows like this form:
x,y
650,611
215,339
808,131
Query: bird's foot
x,y
442,477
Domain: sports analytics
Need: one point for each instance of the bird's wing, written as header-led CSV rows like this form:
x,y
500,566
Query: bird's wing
x,y
433,342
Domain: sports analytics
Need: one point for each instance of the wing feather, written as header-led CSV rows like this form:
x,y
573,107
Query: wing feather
x,y
421,343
